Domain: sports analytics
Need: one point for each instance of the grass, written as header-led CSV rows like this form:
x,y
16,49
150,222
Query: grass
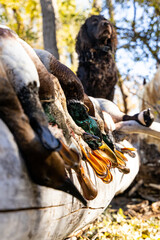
x,y
115,225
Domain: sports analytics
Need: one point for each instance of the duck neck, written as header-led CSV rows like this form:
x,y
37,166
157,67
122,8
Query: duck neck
x,y
127,117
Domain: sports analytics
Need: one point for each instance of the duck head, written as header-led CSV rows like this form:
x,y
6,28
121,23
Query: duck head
x,y
79,113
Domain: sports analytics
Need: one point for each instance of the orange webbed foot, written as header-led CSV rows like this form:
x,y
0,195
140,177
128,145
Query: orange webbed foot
x,y
89,189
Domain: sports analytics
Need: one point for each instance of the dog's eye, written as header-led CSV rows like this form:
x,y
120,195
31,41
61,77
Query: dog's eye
x,y
95,21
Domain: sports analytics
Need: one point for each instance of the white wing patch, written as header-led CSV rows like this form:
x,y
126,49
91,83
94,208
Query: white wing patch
x,y
141,118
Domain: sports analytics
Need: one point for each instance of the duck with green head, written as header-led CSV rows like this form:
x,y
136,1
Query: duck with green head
x,y
106,157
47,92
75,96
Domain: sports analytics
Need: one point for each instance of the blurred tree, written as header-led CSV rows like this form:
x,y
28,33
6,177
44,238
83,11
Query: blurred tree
x,y
124,91
49,26
110,6
138,28
23,17
137,23
141,32
96,7
69,23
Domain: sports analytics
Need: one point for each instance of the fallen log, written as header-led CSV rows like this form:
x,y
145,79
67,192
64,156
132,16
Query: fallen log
x,y
130,127
29,211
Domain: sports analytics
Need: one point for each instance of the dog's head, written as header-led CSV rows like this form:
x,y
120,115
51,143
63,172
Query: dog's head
x,y
96,31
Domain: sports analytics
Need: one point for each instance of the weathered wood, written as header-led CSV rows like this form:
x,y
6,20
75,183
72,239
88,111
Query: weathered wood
x,y
29,211
130,127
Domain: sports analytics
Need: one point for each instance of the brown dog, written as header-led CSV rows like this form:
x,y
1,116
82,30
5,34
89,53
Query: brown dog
x,y
95,45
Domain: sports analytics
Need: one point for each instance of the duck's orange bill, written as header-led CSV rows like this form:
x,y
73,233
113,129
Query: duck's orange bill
x,y
101,155
110,154
120,155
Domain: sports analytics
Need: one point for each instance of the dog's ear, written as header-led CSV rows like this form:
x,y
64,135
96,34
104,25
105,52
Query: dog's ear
x,y
82,40
113,40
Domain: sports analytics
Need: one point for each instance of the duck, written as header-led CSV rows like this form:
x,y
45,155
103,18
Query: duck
x,y
116,121
101,147
119,122
145,117
116,154
131,126
22,74
75,98
47,96
45,167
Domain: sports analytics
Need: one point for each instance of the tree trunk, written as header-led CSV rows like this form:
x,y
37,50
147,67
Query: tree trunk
x,y
123,89
125,94
49,27
110,7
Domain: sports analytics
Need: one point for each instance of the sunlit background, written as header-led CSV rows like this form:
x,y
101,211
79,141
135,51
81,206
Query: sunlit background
x,y
137,23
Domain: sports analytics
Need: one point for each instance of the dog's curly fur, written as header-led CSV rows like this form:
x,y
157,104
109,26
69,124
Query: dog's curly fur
x,y
95,45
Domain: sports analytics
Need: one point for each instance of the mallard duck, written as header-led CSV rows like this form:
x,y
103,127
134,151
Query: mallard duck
x,y
102,146
47,92
113,153
78,111
25,81
22,74
74,94
45,167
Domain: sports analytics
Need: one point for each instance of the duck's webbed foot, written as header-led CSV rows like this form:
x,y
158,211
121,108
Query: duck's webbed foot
x,y
89,189
70,157
100,164
129,151
122,159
